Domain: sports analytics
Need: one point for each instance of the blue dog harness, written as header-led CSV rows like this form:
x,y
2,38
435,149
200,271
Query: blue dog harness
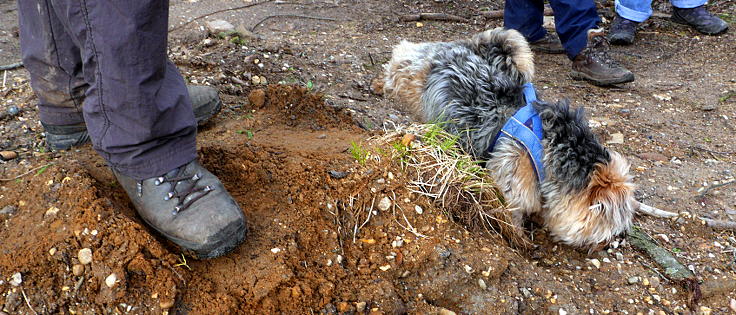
x,y
525,127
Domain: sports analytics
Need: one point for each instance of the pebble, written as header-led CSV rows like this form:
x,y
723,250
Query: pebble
x,y
596,263
111,280
360,307
384,204
562,311
482,284
8,210
52,251
385,268
16,279
166,304
8,155
51,211
275,250
633,280
620,257
418,209
255,79
653,156
84,256
218,26
77,270
732,305
13,110
654,282
444,311
257,98
645,281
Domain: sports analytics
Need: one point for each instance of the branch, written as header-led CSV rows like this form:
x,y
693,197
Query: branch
x,y
498,14
218,11
649,210
432,17
11,66
291,15
719,224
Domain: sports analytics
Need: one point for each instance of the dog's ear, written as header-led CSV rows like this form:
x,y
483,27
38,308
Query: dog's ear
x,y
610,183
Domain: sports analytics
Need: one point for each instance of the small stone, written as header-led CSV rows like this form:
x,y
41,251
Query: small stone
x,y
562,311
620,257
84,256
343,307
219,26
360,307
385,268
8,155
653,156
255,80
384,204
645,281
51,211
257,98
52,251
633,280
444,311
275,250
111,280
77,270
596,263
263,79
337,174
16,279
468,269
166,304
207,42
704,310
418,209
407,139
482,284
654,282
8,210
616,138
732,305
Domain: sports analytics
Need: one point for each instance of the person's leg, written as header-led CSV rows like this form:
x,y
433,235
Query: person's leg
x,y
139,116
54,62
525,16
694,13
634,10
577,24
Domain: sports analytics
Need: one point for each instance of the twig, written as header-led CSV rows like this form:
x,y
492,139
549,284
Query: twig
x,y
649,210
432,17
498,14
27,302
719,224
219,11
705,192
711,151
11,66
292,15
26,173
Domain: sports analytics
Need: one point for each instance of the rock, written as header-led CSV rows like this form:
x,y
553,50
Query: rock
x,y
384,204
732,305
8,210
77,270
111,280
407,139
616,138
166,303
257,98
343,307
654,282
548,22
337,174
16,279
256,80
207,42
562,311
418,209
662,97
444,311
709,107
645,281
322,136
8,155
51,211
596,263
482,284
653,156
620,257
219,26
84,256
52,251
13,110
360,307
393,117
633,280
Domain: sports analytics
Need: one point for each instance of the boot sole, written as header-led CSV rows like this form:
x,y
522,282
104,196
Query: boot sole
x,y
230,237
601,82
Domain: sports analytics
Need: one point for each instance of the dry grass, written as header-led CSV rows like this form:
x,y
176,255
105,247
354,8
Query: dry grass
x,y
456,182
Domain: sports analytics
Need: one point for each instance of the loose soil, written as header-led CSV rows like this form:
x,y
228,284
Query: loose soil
x,y
283,151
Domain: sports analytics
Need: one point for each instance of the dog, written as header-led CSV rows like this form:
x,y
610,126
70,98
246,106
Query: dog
x,y
474,87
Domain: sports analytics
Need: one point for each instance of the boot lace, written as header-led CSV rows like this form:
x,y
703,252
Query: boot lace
x,y
598,51
183,200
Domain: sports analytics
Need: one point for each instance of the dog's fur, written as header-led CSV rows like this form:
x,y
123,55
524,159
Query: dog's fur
x,y
475,86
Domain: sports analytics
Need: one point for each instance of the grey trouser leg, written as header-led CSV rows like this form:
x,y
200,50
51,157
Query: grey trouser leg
x,y
111,57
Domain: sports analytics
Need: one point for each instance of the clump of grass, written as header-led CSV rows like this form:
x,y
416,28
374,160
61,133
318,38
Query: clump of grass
x,y
358,152
456,182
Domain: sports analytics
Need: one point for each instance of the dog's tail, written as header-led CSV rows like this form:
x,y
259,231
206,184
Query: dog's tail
x,y
507,50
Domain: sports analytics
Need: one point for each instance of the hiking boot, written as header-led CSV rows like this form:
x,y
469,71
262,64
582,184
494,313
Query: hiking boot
x,y
549,44
622,31
190,207
594,65
205,104
700,19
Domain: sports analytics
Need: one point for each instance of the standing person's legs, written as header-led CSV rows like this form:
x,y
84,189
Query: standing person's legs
x,y
525,16
634,10
687,4
573,19
54,62
694,13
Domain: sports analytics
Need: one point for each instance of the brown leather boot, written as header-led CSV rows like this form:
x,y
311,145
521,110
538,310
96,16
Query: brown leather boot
x,y
549,44
595,66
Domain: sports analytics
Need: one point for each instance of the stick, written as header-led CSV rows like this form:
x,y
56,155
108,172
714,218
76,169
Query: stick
x,y
672,268
432,17
291,15
705,192
11,66
719,224
498,14
649,210
24,174
218,11
27,302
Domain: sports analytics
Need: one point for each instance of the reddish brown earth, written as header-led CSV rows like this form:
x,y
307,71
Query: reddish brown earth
x,y
274,149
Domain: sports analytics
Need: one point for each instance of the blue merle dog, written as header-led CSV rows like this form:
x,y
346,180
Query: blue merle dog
x,y
475,86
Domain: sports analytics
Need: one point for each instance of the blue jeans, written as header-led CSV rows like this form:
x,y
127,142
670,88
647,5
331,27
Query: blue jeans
x,y
573,19
641,10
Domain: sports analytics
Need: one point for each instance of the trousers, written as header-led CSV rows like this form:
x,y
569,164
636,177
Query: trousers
x,y
573,19
104,64
641,10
